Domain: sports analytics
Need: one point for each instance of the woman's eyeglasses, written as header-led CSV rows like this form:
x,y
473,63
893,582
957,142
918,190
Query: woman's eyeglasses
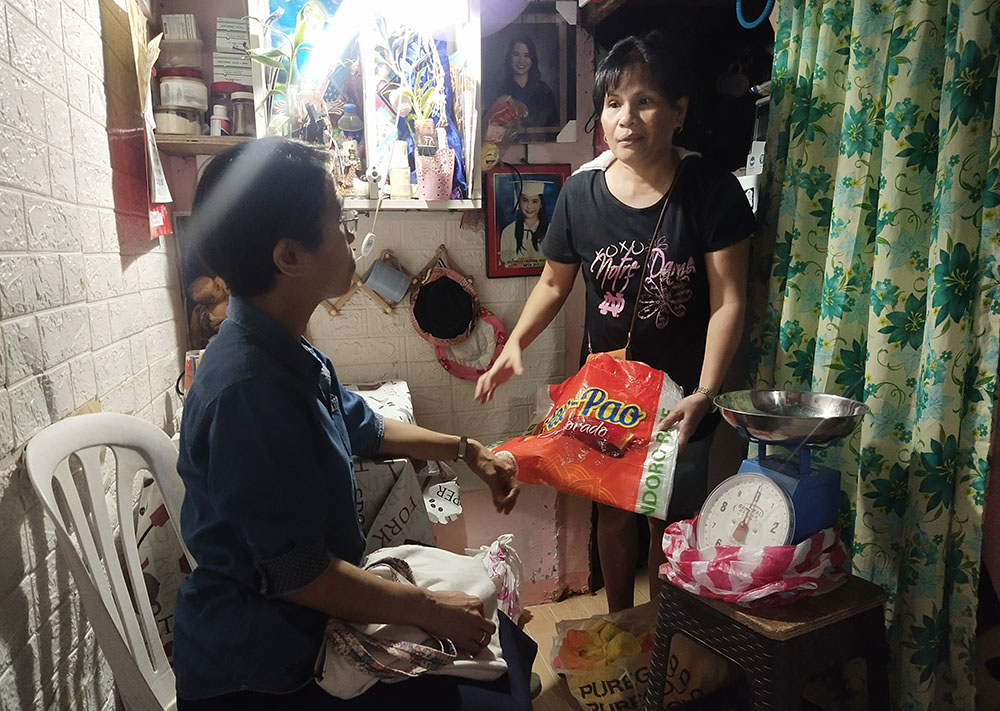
x,y
349,219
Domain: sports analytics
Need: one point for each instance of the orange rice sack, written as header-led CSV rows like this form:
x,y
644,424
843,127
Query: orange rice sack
x,y
598,439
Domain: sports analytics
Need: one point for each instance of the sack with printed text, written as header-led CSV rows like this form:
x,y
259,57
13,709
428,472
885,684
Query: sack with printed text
x,y
599,439
605,660
390,504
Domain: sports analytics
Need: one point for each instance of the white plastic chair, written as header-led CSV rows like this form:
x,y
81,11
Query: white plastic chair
x,y
66,457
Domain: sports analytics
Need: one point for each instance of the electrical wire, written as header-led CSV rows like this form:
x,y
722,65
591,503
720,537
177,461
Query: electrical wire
x,y
752,25
368,243
520,182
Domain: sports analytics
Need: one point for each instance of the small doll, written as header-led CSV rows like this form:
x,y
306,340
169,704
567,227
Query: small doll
x,y
503,123
211,300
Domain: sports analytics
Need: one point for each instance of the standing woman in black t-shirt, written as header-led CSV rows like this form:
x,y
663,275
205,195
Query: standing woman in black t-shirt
x,y
689,296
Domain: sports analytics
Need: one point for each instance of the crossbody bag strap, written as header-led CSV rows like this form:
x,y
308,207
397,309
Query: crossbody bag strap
x,y
649,249
408,659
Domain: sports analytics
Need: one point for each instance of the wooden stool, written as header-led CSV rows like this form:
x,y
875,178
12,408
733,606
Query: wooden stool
x,y
778,648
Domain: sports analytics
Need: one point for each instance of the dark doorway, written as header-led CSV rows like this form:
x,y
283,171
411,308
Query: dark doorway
x,y
725,56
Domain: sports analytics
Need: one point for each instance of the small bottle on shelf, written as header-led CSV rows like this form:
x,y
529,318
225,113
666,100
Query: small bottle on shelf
x,y
220,120
351,124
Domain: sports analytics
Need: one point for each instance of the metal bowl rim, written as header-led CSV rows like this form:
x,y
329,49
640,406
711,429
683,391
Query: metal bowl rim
x,y
861,408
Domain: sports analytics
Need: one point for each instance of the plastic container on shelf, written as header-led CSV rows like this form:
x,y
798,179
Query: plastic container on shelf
x,y
194,72
180,53
243,120
399,171
177,120
220,121
185,91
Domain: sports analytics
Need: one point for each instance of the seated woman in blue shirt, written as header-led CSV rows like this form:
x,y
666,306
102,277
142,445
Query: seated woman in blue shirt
x,y
266,444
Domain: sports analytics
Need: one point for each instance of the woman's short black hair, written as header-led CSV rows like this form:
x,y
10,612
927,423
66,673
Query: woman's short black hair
x,y
250,197
667,63
534,72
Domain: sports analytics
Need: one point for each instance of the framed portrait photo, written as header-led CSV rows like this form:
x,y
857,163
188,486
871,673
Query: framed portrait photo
x,y
519,201
533,60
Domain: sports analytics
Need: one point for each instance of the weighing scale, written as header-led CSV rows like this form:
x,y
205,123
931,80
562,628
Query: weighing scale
x,y
779,498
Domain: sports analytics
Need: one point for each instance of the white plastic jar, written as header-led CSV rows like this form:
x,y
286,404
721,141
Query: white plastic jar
x,y
177,120
185,92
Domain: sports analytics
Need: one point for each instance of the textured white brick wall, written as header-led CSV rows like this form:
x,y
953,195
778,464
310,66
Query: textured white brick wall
x,y
80,317
367,345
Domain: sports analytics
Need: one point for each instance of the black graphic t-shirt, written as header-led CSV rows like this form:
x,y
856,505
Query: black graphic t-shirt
x,y
708,211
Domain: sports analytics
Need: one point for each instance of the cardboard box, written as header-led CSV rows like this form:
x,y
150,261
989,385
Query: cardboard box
x,y
232,35
231,67
179,27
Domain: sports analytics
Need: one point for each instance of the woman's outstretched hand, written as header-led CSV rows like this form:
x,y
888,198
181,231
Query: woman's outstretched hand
x,y
687,416
508,364
499,473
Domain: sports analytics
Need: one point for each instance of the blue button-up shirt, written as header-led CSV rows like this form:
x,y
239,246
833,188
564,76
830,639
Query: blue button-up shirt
x,y
265,455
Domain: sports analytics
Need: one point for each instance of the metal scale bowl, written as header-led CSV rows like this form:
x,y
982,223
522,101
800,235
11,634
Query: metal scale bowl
x,y
798,421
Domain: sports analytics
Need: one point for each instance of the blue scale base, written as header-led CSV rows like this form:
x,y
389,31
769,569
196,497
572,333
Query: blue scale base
x,y
815,493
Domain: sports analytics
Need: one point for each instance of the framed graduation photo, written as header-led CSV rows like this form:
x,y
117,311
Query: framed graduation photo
x,y
533,60
519,201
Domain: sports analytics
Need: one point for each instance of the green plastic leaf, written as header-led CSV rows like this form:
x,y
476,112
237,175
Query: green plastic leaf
x,y
279,125
271,94
312,12
274,53
269,58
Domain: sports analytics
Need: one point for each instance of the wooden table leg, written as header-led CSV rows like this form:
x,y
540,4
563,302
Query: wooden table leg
x,y
878,664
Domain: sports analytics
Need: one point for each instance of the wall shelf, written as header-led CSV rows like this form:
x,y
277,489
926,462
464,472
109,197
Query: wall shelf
x,y
412,204
188,146
181,145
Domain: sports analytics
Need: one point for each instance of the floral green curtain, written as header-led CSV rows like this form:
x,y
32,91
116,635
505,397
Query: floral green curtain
x,y
878,280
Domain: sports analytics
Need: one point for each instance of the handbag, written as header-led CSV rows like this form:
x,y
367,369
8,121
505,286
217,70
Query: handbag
x,y
356,656
626,352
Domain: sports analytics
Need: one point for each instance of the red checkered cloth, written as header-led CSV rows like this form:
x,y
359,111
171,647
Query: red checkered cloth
x,y
750,576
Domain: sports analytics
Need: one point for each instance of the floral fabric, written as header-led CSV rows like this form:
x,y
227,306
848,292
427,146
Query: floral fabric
x,y
878,280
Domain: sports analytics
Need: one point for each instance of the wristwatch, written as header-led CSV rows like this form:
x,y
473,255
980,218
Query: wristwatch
x,y
463,443
707,392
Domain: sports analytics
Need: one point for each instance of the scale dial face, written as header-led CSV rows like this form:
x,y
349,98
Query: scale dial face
x,y
746,510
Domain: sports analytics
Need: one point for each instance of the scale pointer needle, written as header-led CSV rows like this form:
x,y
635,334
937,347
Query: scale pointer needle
x,y
740,532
